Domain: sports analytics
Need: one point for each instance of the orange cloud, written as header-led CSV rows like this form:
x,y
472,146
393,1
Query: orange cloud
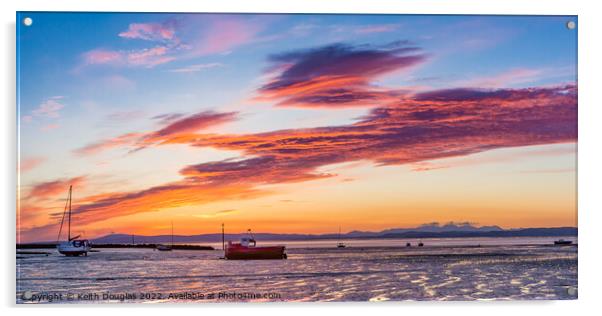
x,y
175,125
118,141
51,189
337,75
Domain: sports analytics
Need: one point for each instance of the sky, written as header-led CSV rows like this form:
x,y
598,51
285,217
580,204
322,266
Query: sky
x,y
294,123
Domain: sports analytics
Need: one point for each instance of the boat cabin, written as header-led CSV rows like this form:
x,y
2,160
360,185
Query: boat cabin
x,y
248,242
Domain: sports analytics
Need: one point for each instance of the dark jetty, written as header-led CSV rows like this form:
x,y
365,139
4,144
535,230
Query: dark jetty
x,y
97,246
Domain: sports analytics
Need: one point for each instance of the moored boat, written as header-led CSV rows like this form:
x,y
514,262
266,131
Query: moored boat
x,y
73,246
247,250
340,244
562,242
169,247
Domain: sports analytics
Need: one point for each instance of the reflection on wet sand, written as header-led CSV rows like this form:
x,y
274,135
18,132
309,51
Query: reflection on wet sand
x,y
313,274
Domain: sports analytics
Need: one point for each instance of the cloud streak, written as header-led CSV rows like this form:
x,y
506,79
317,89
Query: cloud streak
x,y
337,75
175,124
51,189
172,40
151,31
28,164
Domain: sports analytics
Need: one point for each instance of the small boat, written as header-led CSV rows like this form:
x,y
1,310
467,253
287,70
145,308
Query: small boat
x,y
340,244
247,250
408,245
169,247
562,242
73,246
163,247
420,244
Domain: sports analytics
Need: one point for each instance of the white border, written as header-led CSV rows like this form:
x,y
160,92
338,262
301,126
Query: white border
x,y
589,145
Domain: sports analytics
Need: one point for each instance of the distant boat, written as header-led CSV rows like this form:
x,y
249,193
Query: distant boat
x,y
73,247
340,244
408,245
420,244
247,250
169,247
562,242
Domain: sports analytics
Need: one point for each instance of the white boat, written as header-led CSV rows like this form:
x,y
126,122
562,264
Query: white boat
x,y
169,247
72,246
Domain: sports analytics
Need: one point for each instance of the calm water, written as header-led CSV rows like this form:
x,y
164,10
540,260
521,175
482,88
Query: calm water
x,y
368,270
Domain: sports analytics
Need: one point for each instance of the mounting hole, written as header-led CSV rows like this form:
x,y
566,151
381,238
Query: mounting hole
x,y
571,25
27,21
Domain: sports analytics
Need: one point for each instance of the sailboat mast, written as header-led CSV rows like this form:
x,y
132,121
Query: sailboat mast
x,y
172,233
223,240
69,224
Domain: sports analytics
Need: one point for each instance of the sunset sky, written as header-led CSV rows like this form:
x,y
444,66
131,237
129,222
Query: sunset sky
x,y
294,123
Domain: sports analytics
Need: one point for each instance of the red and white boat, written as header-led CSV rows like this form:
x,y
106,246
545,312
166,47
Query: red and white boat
x,y
247,250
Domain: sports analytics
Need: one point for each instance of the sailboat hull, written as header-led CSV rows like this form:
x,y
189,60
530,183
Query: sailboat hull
x,y
74,248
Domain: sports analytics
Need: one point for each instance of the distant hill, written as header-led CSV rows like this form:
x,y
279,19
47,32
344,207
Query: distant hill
x,y
449,227
431,230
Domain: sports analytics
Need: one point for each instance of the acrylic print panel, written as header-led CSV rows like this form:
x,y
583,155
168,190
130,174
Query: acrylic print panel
x,y
251,157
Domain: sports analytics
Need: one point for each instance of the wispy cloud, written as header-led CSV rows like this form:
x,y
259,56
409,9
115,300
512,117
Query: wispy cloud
x,y
161,35
151,31
106,144
28,164
225,33
175,125
216,214
514,77
337,75
196,67
49,108
219,35
377,28
52,189
147,57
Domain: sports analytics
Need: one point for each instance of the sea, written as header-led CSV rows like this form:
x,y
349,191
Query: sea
x,y
374,270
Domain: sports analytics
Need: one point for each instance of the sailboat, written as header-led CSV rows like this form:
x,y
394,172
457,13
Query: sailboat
x,y
169,247
73,246
340,244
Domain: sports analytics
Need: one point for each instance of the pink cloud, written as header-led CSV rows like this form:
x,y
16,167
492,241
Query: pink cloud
x,y
102,57
49,108
220,35
196,67
224,34
49,127
175,125
51,189
150,31
149,57
383,28
28,164
106,144
504,79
